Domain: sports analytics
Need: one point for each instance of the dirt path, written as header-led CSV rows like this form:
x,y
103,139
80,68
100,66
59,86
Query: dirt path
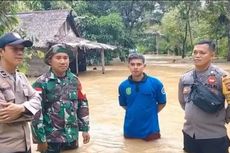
x,y
106,117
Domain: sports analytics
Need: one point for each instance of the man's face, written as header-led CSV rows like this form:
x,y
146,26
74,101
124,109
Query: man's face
x,y
12,55
136,67
59,63
202,56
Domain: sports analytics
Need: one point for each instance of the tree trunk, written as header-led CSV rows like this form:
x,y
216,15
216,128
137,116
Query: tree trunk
x,y
184,41
228,56
187,24
228,27
190,31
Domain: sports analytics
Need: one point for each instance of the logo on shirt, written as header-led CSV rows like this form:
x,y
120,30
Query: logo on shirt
x,y
128,91
211,79
186,90
163,90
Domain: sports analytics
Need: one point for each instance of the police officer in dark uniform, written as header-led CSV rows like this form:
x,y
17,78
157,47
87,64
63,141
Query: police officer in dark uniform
x,y
203,132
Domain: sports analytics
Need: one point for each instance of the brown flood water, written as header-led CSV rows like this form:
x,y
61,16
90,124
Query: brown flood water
x,y
106,117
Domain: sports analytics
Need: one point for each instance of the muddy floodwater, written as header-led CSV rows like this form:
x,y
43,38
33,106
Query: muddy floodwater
x,y
106,117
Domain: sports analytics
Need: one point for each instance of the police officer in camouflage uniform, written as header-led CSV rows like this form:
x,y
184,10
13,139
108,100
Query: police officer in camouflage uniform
x,y
64,107
203,132
18,100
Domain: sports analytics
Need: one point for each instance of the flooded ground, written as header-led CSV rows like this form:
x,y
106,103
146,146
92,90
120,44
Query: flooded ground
x,y
106,117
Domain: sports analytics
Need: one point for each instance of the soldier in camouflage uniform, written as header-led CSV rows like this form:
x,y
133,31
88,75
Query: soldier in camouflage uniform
x,y
64,107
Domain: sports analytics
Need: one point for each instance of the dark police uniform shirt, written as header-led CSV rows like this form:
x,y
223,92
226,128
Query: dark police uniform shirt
x,y
198,123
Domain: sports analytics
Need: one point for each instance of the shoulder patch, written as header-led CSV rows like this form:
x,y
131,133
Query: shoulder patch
x,y
163,90
39,90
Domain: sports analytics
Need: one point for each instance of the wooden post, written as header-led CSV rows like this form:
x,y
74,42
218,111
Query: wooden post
x,y
102,60
76,50
157,45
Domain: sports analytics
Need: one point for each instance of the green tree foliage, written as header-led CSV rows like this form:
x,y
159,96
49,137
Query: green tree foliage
x,y
137,15
165,26
186,15
37,5
221,20
107,29
186,22
98,21
171,28
7,22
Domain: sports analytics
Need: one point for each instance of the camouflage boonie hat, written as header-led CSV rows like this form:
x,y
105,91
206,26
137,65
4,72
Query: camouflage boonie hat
x,y
58,48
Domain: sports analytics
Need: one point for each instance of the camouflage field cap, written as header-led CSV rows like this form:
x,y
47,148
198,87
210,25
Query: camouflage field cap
x,y
58,48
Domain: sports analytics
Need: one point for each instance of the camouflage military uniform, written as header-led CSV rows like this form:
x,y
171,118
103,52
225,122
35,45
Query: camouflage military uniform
x,y
64,109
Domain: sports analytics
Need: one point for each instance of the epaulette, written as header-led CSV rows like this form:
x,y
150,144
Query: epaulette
x,y
3,74
189,70
217,70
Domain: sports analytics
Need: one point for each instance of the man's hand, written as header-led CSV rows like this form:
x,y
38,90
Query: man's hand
x,y
42,147
226,87
86,137
10,111
160,107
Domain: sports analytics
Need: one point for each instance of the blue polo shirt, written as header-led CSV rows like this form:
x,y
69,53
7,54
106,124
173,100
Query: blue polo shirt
x,y
141,100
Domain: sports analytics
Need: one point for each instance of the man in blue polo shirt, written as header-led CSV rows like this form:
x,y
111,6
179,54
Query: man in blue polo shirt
x,y
143,97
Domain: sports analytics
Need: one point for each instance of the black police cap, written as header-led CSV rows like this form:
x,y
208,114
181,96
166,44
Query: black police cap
x,y
13,38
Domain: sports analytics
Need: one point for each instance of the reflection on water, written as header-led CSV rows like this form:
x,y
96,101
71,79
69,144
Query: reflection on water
x,y
109,139
106,117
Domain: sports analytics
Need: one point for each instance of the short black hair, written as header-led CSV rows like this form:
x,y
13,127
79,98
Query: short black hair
x,y
210,43
136,56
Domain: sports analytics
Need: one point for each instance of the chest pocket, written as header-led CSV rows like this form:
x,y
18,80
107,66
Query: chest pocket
x,y
26,93
7,92
148,95
22,93
148,91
